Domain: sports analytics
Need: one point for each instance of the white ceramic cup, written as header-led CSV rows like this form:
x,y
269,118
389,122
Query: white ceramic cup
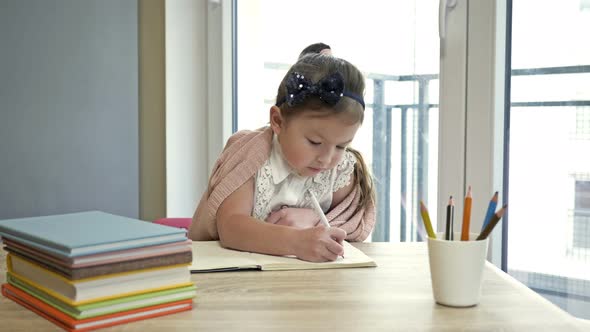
x,y
456,269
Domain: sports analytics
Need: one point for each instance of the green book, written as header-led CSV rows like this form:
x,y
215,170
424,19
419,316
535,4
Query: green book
x,y
106,307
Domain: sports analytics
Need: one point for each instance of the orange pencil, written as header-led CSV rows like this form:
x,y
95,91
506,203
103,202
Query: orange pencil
x,y
495,218
466,216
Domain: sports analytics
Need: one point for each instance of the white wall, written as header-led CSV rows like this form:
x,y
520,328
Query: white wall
x,y
186,104
198,97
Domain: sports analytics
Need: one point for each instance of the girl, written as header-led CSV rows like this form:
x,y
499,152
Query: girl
x,y
258,197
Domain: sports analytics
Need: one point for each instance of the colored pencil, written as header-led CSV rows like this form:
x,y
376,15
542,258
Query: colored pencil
x,y
450,217
426,220
495,218
466,216
490,212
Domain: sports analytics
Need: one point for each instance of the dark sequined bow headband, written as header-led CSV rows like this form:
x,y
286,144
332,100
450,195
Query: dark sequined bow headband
x,y
329,90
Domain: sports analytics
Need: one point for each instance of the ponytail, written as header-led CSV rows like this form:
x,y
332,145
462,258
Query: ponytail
x,y
364,179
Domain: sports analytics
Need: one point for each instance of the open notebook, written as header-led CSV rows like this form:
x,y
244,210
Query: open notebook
x,y
209,256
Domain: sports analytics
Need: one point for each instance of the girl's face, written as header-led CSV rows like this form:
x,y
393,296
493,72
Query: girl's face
x,y
311,144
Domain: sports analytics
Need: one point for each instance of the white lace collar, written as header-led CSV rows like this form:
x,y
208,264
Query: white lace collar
x,y
279,167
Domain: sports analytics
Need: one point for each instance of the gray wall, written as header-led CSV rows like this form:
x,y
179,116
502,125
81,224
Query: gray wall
x,y
68,107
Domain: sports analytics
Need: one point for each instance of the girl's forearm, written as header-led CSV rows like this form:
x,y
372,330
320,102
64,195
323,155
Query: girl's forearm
x,y
246,233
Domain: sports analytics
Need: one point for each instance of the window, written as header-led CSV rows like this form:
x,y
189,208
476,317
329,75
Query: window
x,y
396,45
549,188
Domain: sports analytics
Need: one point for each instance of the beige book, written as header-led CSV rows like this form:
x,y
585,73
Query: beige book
x,y
209,256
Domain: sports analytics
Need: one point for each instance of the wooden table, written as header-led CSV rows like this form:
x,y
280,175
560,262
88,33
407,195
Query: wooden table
x,y
395,296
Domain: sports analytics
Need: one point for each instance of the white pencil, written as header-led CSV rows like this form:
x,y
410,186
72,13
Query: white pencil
x,y
318,209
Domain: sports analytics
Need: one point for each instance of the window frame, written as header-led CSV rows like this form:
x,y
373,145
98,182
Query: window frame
x,y
472,135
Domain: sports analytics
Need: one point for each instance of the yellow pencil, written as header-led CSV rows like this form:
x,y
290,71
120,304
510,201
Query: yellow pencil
x,y
426,220
466,216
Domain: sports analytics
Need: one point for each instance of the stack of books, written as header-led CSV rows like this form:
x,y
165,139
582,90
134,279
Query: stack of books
x,y
89,270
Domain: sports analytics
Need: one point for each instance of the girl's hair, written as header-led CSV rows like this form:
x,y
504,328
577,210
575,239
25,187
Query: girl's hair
x,y
315,67
316,48
364,179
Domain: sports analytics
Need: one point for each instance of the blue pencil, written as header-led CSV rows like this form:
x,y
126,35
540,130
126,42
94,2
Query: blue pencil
x,y
490,212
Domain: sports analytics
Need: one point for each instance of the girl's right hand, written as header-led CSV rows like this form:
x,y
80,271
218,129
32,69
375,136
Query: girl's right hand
x,y
320,244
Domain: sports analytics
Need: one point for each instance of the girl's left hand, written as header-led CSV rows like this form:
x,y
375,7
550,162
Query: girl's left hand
x,y
294,217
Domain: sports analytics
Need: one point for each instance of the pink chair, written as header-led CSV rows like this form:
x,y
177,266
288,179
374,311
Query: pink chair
x,y
175,222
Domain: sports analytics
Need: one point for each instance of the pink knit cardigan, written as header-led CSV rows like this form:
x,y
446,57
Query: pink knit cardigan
x,y
245,153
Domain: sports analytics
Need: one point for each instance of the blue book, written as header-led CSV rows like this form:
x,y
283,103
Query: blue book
x,y
86,233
